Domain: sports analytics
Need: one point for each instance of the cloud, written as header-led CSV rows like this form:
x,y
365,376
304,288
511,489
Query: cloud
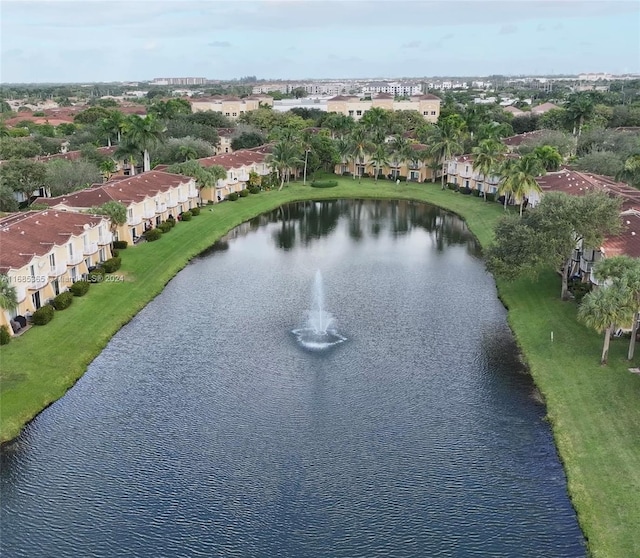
x,y
150,45
412,44
508,29
438,44
220,44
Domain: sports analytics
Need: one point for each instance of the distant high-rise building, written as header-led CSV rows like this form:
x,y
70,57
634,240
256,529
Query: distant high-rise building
x,y
180,81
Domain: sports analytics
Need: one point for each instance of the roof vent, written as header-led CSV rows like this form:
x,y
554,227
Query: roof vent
x,y
21,232
633,233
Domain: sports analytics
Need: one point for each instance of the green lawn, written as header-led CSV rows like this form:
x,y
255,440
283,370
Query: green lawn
x,y
594,410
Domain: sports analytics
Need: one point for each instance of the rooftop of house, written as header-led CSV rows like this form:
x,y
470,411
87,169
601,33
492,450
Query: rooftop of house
x,y
127,191
517,140
513,110
74,155
544,107
237,159
628,241
34,233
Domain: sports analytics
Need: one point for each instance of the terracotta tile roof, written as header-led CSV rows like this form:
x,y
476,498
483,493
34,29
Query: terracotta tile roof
x,y
544,107
34,233
513,110
384,96
126,190
237,159
343,98
628,242
517,140
426,97
225,132
74,155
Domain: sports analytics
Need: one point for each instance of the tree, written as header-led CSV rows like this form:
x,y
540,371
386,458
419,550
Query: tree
x,y
91,115
548,156
112,126
339,124
8,293
18,148
446,141
379,159
108,168
487,158
211,119
23,175
247,140
549,233
360,145
205,177
376,121
128,152
115,211
8,200
579,108
602,309
144,133
63,177
283,159
401,151
607,163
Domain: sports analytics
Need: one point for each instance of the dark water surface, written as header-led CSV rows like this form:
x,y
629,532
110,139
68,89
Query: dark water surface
x,y
203,429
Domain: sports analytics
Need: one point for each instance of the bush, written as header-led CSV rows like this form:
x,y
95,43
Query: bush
x,y
254,189
324,183
171,221
5,336
113,264
165,226
43,315
79,288
475,193
186,216
365,175
233,196
209,202
150,236
63,301
195,211
120,244
115,253
490,197
464,190
452,186
96,276
244,193
346,173
579,289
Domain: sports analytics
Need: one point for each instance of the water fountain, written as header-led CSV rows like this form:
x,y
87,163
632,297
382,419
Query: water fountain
x,y
319,332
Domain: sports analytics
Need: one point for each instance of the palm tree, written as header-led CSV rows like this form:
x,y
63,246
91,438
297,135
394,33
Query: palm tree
x,y
376,121
129,152
112,126
360,146
401,151
343,147
188,152
487,157
379,159
602,309
549,157
107,168
445,142
283,158
339,124
144,133
8,294
579,108
519,179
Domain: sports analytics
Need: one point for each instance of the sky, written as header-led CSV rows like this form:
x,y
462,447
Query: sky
x,y
135,40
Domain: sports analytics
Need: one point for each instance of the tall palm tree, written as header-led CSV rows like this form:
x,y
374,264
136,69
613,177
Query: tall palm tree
x,y
379,158
445,142
579,108
187,152
487,157
339,124
8,294
360,146
112,126
343,147
376,121
602,309
283,159
144,133
401,151
128,152
107,168
526,170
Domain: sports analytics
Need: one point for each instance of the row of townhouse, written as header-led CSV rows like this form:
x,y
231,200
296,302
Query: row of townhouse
x,y
239,165
44,252
413,170
427,105
150,198
229,106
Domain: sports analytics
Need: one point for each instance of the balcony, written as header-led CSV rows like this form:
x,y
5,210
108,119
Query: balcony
x,y
192,194
90,248
183,197
414,165
134,220
106,238
21,293
148,213
58,270
37,282
75,259
161,207
172,203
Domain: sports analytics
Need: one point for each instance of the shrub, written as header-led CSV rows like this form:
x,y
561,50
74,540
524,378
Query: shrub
x,y
151,235
113,264
346,173
475,193
490,197
5,336
464,190
63,301
115,253
171,221
365,175
452,186
579,289
79,288
402,178
254,189
233,196
243,193
165,226
96,275
324,183
120,244
195,211
187,215
209,202
43,315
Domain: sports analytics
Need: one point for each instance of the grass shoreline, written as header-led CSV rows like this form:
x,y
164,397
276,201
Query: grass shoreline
x,y
593,411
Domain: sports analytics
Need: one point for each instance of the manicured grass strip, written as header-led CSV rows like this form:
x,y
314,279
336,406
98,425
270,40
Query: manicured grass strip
x,y
594,411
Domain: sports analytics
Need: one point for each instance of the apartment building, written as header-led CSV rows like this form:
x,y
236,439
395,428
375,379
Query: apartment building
x,y
239,165
427,105
395,88
229,106
179,81
44,252
150,198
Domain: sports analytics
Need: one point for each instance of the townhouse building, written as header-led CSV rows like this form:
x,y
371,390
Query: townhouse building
x,y
229,106
395,88
460,171
427,105
239,165
150,198
412,170
44,252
